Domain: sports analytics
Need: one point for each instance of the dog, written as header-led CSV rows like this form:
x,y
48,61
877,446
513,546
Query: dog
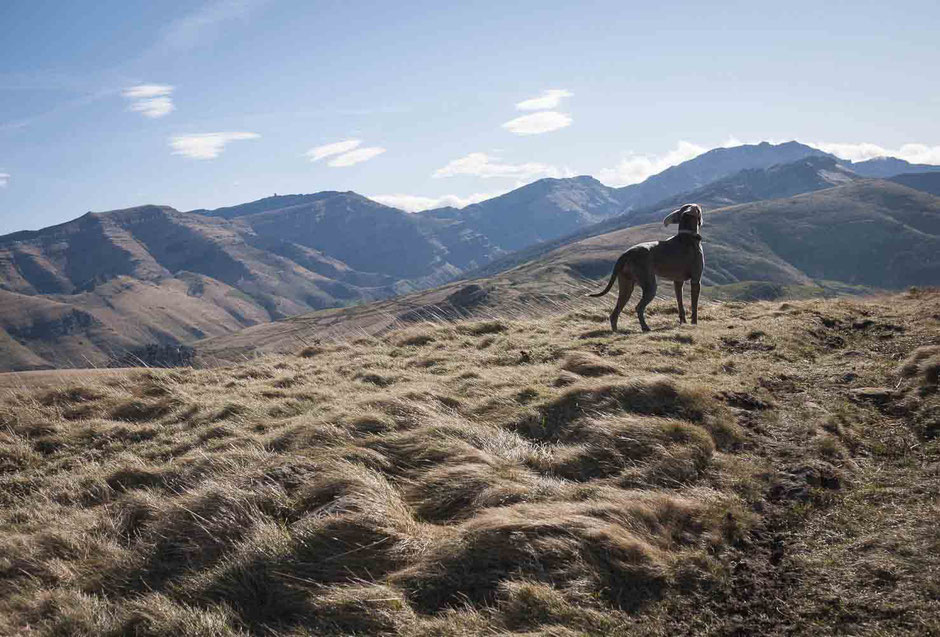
x,y
678,259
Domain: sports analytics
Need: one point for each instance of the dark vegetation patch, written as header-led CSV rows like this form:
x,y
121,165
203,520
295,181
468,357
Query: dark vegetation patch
x,y
481,328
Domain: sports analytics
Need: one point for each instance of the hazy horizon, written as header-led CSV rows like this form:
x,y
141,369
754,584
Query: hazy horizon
x,y
115,105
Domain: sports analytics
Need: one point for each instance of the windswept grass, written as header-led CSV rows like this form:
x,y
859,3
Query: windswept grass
x,y
531,476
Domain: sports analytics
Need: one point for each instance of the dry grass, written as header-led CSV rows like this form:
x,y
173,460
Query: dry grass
x,y
503,476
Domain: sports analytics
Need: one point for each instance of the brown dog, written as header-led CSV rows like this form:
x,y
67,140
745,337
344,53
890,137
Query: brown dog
x,y
678,259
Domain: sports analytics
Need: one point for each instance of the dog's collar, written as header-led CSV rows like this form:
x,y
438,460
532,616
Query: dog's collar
x,y
694,235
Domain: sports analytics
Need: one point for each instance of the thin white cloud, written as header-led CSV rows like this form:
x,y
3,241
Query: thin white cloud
x,y
142,91
204,24
547,100
150,100
482,165
417,203
206,145
4,179
635,168
914,153
336,148
354,157
538,123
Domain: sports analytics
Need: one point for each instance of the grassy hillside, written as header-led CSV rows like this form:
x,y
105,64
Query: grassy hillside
x,y
752,475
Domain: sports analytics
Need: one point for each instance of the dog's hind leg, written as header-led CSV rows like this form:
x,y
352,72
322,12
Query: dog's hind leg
x,y
649,292
678,286
625,282
696,288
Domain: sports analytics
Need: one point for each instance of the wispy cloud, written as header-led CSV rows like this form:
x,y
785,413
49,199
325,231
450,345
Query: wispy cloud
x,y
354,157
547,100
4,179
319,152
914,153
204,24
634,168
150,100
538,123
206,145
344,153
482,165
417,203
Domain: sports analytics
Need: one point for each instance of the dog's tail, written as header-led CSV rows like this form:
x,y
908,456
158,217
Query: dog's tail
x,y
613,275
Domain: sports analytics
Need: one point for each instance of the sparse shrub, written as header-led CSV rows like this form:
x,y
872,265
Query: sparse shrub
x,y
311,351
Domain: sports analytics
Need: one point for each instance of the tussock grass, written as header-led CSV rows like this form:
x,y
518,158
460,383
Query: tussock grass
x,y
587,364
525,475
923,363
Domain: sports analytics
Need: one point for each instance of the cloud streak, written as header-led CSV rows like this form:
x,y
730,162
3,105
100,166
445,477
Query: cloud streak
x,y
482,165
914,153
336,148
538,123
344,153
4,179
357,156
547,100
206,145
417,203
635,168
150,100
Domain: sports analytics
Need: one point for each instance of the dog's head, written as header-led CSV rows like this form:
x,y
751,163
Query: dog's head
x,y
689,217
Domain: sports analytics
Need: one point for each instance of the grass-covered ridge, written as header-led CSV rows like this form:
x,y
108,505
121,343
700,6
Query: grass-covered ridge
x,y
508,476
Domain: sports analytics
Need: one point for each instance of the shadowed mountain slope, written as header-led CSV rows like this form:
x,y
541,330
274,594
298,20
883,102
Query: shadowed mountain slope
x,y
711,166
805,175
870,233
884,167
926,182
542,210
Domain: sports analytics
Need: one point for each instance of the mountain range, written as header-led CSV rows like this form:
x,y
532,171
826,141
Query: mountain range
x,y
86,291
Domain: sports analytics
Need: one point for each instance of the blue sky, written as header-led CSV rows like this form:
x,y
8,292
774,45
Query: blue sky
x,y
112,104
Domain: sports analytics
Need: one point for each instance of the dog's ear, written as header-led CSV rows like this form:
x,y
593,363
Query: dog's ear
x,y
700,213
675,215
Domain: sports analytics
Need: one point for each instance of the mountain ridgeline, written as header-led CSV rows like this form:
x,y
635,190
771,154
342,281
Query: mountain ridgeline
x,y
88,291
